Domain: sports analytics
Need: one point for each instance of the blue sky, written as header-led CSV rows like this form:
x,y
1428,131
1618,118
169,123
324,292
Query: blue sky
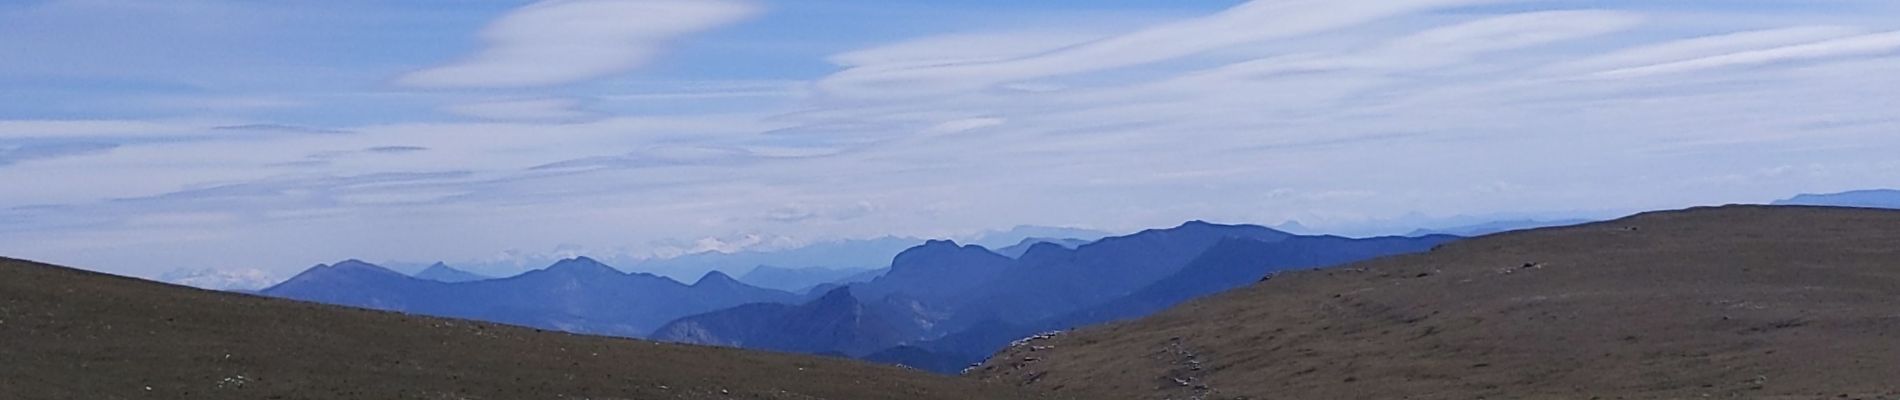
x,y
139,137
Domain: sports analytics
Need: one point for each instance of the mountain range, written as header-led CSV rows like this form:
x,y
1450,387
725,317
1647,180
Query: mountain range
x,y
842,254
578,295
1771,302
942,305
72,334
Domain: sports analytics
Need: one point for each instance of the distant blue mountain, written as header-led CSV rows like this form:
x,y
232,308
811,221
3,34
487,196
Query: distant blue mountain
x,y
1017,250
1877,198
845,254
444,273
355,283
575,295
1049,280
798,280
939,272
1017,234
1497,227
954,304
820,289
857,254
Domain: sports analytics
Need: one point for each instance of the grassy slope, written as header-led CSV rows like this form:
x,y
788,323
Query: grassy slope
x,y
70,334
1732,302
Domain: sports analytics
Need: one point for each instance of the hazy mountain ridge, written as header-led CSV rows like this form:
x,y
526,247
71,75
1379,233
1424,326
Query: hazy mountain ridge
x,y
1872,198
801,280
577,295
1492,227
132,339
1017,250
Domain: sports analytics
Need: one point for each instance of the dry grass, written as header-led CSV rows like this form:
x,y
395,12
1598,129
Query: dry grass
x,y
1732,302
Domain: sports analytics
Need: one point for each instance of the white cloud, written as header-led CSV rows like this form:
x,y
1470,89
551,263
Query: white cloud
x,y
963,48
564,41
1863,45
1706,46
962,125
1272,111
1515,31
221,279
1427,49
1247,23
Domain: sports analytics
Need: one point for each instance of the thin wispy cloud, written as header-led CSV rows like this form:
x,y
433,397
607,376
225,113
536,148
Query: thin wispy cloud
x,y
556,42
1247,23
633,127
1865,45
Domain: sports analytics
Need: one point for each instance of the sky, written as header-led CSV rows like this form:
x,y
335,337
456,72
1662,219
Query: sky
x,y
140,137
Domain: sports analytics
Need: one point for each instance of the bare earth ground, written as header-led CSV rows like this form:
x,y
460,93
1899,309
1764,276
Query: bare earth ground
x,y
70,334
1733,302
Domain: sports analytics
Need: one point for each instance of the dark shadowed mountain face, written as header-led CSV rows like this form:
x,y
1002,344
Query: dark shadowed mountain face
x,y
1228,264
1879,198
440,272
939,272
70,334
1050,281
575,295
954,305
1732,302
834,323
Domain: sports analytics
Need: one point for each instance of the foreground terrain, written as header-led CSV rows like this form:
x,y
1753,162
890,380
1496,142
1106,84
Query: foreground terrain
x,y
1732,302
70,334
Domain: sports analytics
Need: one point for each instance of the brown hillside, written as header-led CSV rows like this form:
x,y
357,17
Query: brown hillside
x,y
70,334
1731,302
